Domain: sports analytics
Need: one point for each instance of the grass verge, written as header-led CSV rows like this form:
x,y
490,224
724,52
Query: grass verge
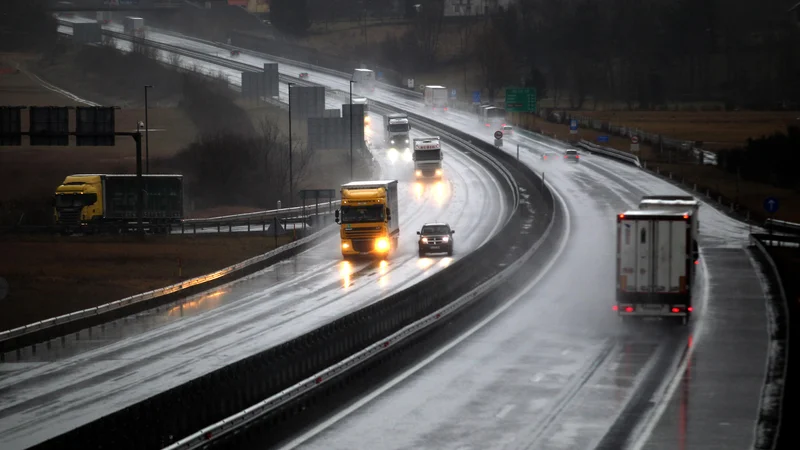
x,y
53,275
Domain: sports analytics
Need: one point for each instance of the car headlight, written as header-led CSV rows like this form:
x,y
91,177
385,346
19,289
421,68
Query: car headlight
x,y
418,173
382,244
424,240
438,172
406,141
392,141
446,239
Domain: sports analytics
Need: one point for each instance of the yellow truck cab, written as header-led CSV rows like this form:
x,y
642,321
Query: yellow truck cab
x,y
368,218
78,200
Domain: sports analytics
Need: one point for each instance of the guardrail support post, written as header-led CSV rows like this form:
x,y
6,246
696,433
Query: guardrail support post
x,y
194,228
517,152
230,227
248,225
183,228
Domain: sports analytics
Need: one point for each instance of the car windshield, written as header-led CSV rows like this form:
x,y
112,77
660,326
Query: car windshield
x,y
435,229
572,152
358,214
507,128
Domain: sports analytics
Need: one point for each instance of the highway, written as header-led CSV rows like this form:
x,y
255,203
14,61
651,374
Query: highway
x,y
556,368
61,387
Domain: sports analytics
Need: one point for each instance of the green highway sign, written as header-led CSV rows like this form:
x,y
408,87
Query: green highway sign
x,y
521,99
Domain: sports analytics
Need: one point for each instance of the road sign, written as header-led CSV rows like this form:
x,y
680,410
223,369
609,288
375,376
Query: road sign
x,y
771,205
634,139
602,138
521,100
573,126
410,83
498,134
452,93
476,96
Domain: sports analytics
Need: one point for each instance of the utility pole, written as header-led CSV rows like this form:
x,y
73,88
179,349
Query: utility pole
x,y
351,130
146,131
291,185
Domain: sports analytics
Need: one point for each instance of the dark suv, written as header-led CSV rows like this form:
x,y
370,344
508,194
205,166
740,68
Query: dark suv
x,y
435,238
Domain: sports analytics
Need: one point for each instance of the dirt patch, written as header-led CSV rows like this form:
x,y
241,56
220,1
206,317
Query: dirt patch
x,y
49,276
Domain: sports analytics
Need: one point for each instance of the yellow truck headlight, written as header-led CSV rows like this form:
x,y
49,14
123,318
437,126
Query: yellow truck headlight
x,y
419,173
438,172
382,244
345,246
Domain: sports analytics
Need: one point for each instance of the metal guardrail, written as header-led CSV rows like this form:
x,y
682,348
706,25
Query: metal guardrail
x,y
610,152
191,406
782,226
770,408
269,214
58,326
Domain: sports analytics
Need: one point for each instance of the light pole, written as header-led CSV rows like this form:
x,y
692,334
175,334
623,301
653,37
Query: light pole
x,y
351,130
146,131
291,186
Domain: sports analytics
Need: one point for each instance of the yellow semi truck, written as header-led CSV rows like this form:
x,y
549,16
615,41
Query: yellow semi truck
x,y
108,201
368,218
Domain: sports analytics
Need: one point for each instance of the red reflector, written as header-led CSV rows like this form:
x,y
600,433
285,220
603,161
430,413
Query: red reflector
x,y
615,308
629,309
690,309
676,310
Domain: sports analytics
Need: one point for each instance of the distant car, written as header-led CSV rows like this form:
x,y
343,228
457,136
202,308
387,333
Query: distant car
x,y
572,156
304,75
507,130
435,238
547,156
234,52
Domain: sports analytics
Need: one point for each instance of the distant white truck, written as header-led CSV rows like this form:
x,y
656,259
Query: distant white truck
x,y
396,129
655,264
427,157
364,81
133,26
436,98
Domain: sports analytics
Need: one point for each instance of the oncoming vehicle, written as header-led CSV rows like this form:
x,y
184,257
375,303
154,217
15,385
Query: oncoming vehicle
x,y
572,155
508,130
435,238
368,218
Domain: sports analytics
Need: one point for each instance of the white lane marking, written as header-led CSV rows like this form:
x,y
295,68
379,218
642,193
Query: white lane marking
x,y
411,371
505,410
646,429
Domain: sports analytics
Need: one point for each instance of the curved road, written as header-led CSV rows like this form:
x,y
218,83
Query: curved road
x,y
555,370
59,388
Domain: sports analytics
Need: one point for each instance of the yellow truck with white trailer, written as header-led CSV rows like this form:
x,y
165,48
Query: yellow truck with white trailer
x,y
369,218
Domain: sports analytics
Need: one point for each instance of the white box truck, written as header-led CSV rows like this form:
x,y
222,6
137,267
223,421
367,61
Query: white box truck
x,y
654,264
364,81
427,157
436,98
396,129
133,26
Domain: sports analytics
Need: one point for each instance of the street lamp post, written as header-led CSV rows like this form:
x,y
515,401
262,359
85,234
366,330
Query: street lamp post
x,y
351,130
291,185
146,131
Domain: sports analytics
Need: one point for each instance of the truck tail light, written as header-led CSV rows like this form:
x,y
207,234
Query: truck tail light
x,y
615,308
629,309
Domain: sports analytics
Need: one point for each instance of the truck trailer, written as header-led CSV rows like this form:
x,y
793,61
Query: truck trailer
x,y
93,202
369,218
364,81
436,98
427,157
654,264
133,26
396,129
